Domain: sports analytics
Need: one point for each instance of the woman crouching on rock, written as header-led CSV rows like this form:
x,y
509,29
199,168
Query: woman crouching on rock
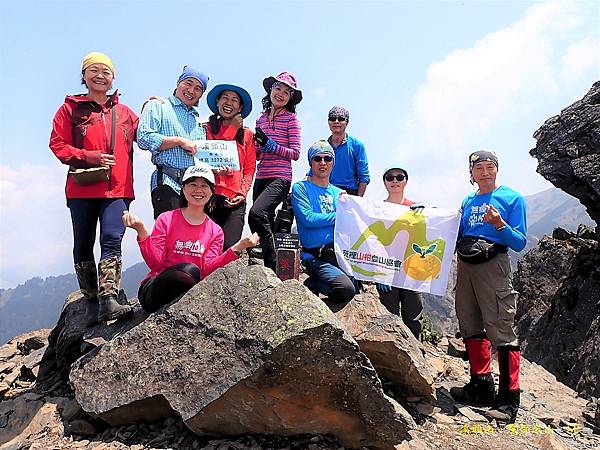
x,y
185,245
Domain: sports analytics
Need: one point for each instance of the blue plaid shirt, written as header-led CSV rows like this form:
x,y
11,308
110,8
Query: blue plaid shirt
x,y
171,118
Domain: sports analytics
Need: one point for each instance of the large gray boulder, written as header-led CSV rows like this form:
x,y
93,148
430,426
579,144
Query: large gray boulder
x,y
242,352
389,344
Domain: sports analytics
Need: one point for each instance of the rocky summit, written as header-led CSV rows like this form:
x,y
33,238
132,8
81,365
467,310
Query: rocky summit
x,y
558,314
568,150
245,361
240,353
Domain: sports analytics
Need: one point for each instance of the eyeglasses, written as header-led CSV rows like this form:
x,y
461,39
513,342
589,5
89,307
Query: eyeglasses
x,y
399,177
319,159
337,119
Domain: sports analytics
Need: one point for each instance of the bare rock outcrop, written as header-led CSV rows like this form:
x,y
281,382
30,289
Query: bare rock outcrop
x,y
242,352
558,315
568,150
389,344
77,332
559,309
41,414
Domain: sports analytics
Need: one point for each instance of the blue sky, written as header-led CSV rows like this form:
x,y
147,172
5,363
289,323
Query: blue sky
x,y
426,83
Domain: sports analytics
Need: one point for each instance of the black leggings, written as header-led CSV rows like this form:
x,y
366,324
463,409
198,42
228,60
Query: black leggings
x,y
267,194
167,286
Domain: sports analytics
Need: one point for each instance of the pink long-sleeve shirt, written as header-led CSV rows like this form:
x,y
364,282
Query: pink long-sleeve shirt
x,y
174,241
284,129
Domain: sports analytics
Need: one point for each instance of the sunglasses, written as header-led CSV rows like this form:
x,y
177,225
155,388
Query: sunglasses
x,y
399,177
337,119
319,159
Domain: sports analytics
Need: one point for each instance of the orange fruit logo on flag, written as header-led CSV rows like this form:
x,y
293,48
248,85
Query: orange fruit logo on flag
x,y
422,264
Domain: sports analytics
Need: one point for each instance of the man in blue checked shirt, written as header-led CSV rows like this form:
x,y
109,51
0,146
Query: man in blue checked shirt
x,y
168,130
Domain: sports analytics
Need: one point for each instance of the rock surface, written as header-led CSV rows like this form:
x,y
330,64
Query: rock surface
x,y
76,332
389,344
568,150
242,352
558,314
551,417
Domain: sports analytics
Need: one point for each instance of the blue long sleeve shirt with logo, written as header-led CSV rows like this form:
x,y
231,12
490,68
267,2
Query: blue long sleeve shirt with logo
x,y
511,206
314,209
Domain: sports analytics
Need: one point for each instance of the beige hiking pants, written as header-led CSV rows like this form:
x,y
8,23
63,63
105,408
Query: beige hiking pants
x,y
486,301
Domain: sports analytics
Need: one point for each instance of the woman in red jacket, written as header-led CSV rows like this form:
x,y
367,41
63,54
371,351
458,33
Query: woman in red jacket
x,y
231,105
94,130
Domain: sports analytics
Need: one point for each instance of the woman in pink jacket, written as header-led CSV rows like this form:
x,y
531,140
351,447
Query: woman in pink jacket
x,y
185,245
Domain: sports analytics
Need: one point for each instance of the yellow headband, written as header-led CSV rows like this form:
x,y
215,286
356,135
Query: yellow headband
x,y
97,58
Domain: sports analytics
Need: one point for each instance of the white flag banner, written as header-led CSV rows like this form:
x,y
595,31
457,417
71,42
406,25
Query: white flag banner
x,y
218,153
394,245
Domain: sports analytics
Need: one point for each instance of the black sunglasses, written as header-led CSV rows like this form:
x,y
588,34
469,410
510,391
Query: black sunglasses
x,y
337,119
399,177
319,158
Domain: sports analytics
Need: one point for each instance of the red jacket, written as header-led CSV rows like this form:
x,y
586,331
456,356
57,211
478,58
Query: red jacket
x,y
239,181
81,131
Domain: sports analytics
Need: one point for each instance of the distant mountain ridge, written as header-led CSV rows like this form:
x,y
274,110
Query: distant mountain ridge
x,y
551,208
37,303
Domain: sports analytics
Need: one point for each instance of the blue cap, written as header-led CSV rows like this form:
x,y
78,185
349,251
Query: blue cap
x,y
319,148
191,72
214,93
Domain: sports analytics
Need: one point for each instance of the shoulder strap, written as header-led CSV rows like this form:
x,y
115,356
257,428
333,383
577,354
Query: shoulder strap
x,y
113,126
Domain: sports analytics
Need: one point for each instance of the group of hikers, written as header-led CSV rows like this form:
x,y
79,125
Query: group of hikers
x,y
200,210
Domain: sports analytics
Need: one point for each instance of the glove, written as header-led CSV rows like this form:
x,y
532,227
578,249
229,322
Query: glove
x,y
269,146
260,137
384,288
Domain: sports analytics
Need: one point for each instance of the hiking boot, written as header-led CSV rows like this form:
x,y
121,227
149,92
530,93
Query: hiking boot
x,y
506,406
110,309
87,278
256,253
509,393
109,282
480,391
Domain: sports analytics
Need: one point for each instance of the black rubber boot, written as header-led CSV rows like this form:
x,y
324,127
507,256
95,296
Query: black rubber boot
x,y
87,278
480,391
110,309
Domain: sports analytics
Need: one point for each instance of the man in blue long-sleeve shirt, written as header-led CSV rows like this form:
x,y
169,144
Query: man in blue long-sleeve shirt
x,y
493,220
315,201
351,170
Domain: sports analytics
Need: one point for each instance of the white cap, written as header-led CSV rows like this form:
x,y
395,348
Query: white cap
x,y
200,170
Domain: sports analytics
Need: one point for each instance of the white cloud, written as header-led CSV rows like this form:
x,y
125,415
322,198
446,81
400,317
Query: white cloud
x,y
319,92
472,92
35,223
581,57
